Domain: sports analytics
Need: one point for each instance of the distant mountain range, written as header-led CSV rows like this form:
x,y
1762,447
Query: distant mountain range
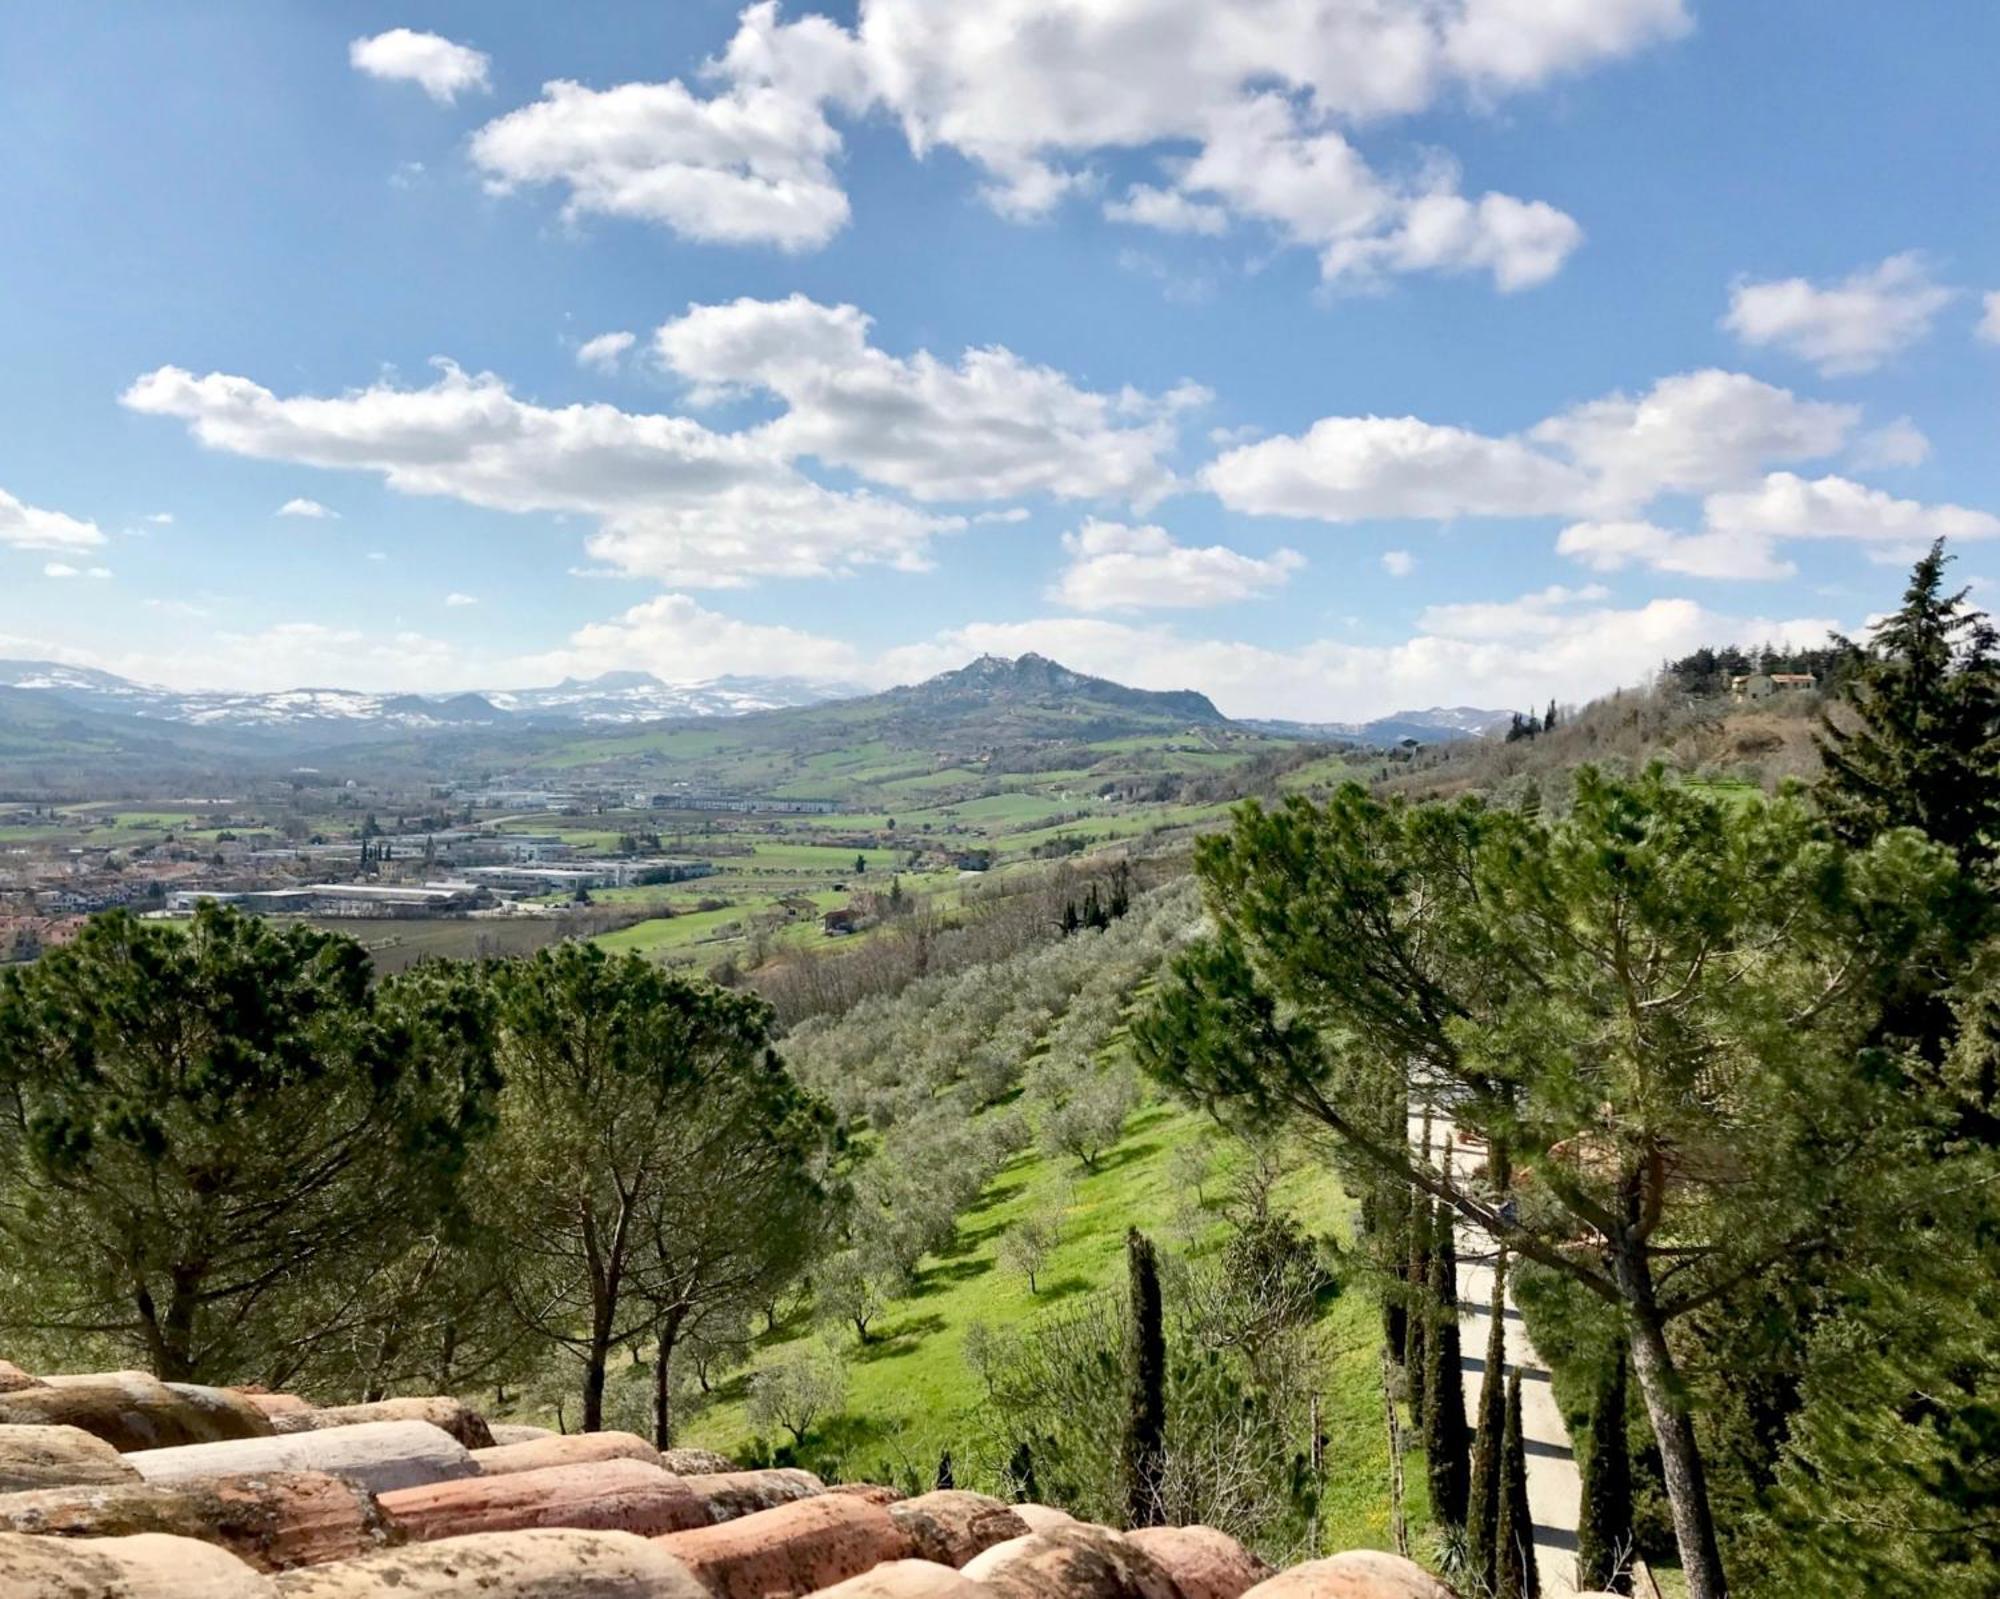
x,y
1438,725
49,711
615,697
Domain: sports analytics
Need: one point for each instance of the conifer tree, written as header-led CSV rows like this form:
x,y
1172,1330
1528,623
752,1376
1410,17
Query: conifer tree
x,y
1604,1532
1926,750
1514,1572
1417,1288
1444,1384
1482,1514
1146,1421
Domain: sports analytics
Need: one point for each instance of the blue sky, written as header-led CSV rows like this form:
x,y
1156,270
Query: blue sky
x,y
1331,357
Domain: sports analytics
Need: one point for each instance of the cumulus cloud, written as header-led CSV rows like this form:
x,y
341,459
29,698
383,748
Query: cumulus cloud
x,y
27,527
312,510
1690,432
1989,317
1032,92
1850,326
679,640
990,427
1398,563
1613,546
672,499
62,569
1897,443
443,70
1115,567
456,600
1786,505
1346,468
751,163
604,352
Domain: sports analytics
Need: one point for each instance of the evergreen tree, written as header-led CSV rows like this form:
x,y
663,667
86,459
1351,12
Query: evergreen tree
x,y
1021,1475
1604,1532
1514,1575
945,1476
1925,750
1444,1383
1121,890
1482,1514
1417,1292
1146,1420
1549,721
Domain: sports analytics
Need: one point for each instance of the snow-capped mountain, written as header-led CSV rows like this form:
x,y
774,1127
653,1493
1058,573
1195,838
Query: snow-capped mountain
x,y
616,697
1438,725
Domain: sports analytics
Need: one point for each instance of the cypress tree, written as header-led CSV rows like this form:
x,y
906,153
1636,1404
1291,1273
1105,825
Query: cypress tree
x,y
1146,1421
1604,1533
1926,752
945,1476
1514,1573
1482,1514
1394,1247
1444,1382
1416,1288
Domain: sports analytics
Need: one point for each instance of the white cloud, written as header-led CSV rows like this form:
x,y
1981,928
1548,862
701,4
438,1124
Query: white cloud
x,y
672,499
310,509
1346,468
442,69
1785,505
1115,567
751,164
27,527
1167,210
62,569
1398,563
605,351
1613,546
681,641
1689,433
1031,91
991,427
456,600
1989,317
1850,326
1897,443
161,518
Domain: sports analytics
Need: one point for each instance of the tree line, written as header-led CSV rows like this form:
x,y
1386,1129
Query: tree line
x,y
1729,1081
228,1155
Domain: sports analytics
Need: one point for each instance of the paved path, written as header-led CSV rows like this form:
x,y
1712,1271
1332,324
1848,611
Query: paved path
x,y
1555,1488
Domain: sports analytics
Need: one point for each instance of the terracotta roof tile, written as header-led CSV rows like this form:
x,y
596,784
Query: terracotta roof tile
x,y
385,1501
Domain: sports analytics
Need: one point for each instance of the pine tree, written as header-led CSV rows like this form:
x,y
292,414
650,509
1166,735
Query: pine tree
x,y
1482,1514
1514,1573
1444,1383
1146,1421
1926,752
1549,721
1604,1532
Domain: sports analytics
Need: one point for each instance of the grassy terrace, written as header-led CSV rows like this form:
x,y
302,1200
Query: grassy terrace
x,y
911,1393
